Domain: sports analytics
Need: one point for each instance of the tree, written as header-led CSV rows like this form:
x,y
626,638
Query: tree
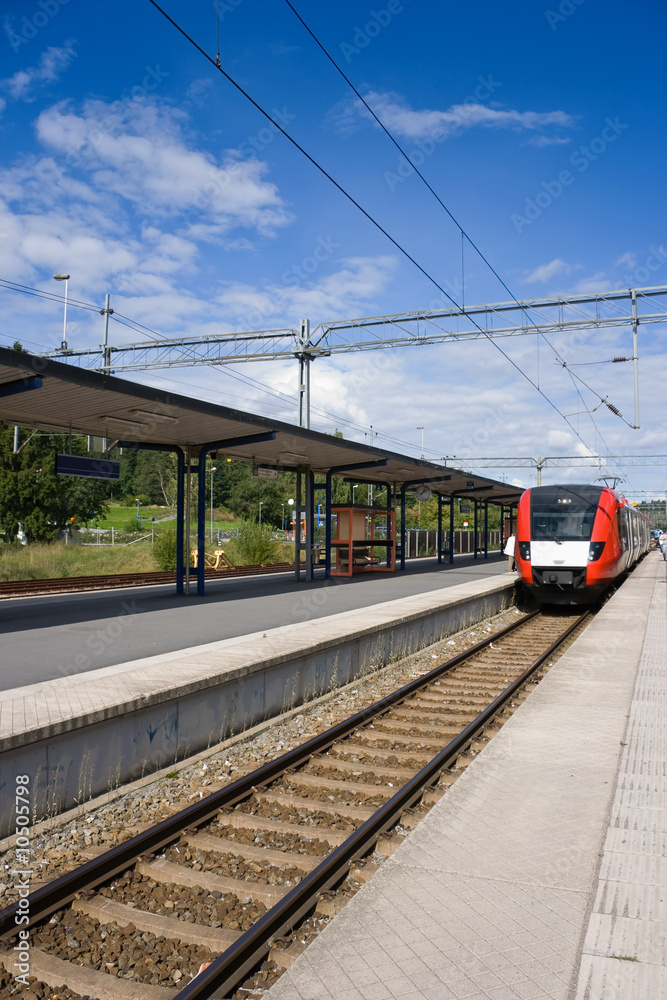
x,y
32,494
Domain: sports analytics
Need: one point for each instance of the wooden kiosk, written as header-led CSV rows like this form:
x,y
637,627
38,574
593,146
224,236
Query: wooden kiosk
x,y
358,532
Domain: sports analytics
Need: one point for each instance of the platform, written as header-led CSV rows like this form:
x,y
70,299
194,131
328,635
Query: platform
x,y
83,733
63,634
541,873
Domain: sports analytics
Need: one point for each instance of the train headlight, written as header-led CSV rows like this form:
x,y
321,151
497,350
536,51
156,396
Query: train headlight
x,y
524,550
595,551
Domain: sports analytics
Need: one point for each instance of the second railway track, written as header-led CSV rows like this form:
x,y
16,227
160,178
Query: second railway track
x,y
193,906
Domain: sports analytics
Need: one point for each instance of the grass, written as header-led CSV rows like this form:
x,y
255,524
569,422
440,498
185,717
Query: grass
x,y
58,561
119,516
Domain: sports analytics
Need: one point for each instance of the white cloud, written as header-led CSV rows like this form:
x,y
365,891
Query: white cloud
x,y
21,86
346,292
400,118
3,105
138,151
627,260
597,282
548,140
545,272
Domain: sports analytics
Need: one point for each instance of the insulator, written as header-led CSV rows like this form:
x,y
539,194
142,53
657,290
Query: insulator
x,y
616,360
613,409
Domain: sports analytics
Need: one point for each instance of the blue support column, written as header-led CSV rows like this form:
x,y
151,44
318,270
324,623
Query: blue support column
x,y
201,521
486,529
403,526
310,512
180,519
511,519
475,522
327,528
297,527
502,527
451,528
439,528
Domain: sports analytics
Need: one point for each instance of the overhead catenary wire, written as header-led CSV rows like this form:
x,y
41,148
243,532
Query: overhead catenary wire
x,y
464,234
357,205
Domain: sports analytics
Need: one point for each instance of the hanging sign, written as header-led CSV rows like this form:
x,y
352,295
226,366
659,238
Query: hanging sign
x,y
87,468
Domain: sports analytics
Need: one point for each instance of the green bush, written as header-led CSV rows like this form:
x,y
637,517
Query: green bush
x,y
253,545
164,549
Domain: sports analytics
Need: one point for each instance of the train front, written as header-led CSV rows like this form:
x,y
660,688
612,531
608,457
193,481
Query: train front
x,y
566,544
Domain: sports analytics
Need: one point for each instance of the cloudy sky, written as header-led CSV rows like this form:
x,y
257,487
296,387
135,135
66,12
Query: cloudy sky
x,y
129,162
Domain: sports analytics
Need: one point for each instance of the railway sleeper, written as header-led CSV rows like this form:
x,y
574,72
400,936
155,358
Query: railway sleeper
x,y
166,871
55,971
325,836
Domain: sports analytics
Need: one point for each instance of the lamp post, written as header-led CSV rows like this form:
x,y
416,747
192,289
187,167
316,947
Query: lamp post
x,y
137,515
212,471
260,512
65,278
355,487
282,523
422,430
291,515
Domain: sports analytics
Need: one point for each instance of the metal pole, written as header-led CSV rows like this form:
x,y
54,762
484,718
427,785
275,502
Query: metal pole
x,y
212,471
486,529
302,389
502,527
106,355
308,393
64,343
635,352
539,467
16,439
451,528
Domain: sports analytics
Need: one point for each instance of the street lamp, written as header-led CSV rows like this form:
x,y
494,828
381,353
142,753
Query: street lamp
x,y
260,512
65,278
355,487
282,525
212,471
291,515
138,506
422,430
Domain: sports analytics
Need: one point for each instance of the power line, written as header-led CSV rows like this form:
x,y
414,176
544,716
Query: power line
x,y
353,201
13,286
464,234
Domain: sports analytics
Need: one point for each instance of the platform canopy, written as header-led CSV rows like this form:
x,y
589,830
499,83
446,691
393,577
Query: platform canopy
x,y
48,395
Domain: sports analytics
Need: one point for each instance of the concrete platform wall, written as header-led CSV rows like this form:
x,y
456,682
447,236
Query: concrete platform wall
x,y
137,718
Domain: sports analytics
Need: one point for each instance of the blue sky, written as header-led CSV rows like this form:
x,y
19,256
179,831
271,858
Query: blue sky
x,y
128,162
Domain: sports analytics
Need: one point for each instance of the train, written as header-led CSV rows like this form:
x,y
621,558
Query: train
x,y
573,542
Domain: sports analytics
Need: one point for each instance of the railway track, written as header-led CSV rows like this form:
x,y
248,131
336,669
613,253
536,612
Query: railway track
x,y
73,584
191,907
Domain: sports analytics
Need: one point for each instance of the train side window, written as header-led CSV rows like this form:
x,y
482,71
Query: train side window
x,y
622,518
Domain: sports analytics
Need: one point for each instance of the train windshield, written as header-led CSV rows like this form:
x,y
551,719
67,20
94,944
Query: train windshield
x,y
563,514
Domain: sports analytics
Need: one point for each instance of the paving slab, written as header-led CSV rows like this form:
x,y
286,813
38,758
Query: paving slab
x,y
490,897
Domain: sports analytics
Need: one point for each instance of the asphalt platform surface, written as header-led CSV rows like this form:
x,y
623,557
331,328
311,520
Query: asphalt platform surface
x,y
64,634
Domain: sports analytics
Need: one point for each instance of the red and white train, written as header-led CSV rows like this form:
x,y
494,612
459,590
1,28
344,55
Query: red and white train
x,y
573,542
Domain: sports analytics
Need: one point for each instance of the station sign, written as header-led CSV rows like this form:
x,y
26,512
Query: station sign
x,y
265,472
87,468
